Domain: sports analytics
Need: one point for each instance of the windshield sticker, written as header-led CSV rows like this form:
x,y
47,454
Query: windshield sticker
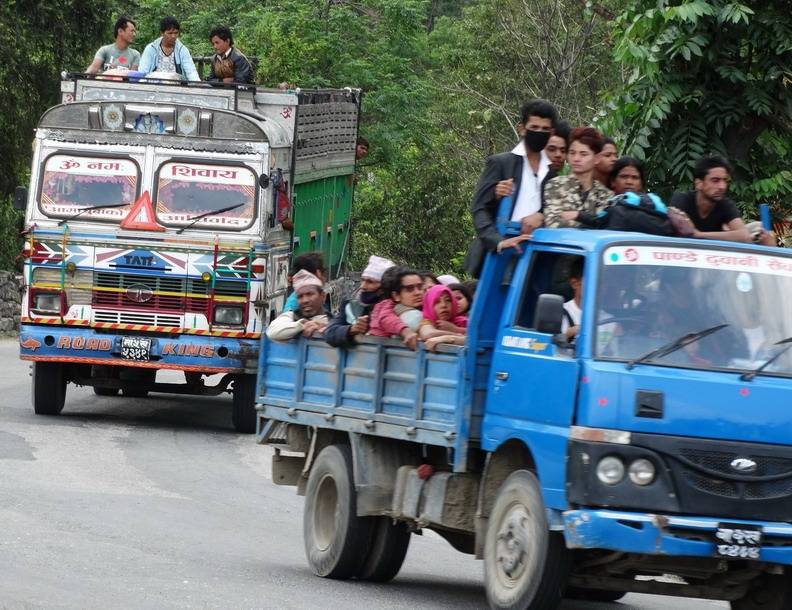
x,y
72,183
744,282
221,195
699,259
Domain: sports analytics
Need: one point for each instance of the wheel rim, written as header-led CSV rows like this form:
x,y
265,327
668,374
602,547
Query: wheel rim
x,y
325,514
514,553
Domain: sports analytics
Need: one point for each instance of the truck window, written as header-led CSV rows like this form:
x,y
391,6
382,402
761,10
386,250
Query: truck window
x,y
72,182
649,296
549,274
185,190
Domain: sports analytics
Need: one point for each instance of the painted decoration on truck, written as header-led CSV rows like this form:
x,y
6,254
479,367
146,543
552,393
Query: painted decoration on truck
x,y
154,260
73,183
210,196
700,258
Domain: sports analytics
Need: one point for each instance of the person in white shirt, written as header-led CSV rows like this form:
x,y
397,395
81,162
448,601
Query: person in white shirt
x,y
519,173
570,325
311,315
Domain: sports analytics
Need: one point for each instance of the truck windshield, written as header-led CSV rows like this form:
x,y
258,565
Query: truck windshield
x,y
225,194
71,183
651,295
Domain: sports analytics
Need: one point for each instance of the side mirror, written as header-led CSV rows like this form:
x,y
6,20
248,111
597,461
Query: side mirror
x,y
20,198
264,181
549,314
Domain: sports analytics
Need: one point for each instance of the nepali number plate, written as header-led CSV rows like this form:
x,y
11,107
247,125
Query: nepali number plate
x,y
136,348
738,541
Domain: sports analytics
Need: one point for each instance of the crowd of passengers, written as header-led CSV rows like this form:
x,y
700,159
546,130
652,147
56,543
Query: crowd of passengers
x,y
392,301
541,191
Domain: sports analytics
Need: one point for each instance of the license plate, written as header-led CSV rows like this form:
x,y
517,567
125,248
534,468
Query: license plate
x,y
738,541
136,348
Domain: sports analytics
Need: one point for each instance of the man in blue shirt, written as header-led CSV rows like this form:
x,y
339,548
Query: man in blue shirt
x,y
168,54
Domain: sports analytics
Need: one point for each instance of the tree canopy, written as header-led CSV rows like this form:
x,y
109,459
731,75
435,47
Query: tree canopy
x,y
444,80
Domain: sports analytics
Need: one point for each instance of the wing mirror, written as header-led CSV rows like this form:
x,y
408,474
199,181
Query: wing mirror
x,y
549,314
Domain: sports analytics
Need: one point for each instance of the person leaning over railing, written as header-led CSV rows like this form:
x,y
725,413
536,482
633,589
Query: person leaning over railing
x,y
352,319
311,315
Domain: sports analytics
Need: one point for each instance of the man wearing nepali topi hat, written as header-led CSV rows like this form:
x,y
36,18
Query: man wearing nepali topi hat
x,y
311,315
352,319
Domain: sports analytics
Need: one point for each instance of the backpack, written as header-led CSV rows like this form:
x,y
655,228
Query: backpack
x,y
639,212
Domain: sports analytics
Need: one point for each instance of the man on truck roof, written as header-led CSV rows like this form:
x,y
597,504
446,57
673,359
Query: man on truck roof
x,y
311,315
168,54
708,207
229,64
520,173
118,54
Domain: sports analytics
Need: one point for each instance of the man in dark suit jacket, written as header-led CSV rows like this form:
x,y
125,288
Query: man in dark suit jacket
x,y
520,173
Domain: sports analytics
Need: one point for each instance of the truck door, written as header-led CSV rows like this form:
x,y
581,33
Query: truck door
x,y
533,383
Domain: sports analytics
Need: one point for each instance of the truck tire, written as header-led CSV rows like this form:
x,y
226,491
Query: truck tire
x,y
767,592
135,377
49,388
243,413
525,564
389,544
105,391
336,539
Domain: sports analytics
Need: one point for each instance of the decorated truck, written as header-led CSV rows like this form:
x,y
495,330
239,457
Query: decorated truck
x,y
159,225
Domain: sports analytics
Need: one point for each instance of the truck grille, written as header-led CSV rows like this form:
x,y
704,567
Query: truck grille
x,y
181,295
148,319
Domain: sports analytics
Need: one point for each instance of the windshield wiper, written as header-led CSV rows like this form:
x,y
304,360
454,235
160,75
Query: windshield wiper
x,y
195,219
787,343
676,344
93,207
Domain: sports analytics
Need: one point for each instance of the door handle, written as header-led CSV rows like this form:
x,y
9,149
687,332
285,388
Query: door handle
x,y
501,375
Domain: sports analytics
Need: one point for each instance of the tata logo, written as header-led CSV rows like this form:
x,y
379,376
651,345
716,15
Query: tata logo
x,y
139,293
744,465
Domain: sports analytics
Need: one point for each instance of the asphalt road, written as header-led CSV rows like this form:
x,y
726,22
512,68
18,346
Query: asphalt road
x,y
157,503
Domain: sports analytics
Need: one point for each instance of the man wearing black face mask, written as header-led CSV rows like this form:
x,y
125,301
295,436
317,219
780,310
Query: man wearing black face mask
x,y
520,173
352,318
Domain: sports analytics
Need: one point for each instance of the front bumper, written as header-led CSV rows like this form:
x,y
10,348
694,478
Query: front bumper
x,y
176,352
665,534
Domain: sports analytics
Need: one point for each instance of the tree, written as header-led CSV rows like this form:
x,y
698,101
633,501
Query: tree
x,y
707,77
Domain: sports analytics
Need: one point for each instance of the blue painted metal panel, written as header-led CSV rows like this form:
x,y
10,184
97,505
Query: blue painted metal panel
x,y
664,535
182,352
377,386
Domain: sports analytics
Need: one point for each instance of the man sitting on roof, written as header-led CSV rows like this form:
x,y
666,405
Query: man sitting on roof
x,y
229,64
168,54
311,315
118,54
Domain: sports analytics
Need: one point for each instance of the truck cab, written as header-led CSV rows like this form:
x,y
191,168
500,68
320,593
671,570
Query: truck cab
x,y
651,440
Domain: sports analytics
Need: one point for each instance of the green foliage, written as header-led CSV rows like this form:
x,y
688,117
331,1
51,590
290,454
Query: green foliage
x,y
707,77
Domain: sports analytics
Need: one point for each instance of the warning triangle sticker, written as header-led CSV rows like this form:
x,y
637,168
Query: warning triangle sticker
x,y
141,216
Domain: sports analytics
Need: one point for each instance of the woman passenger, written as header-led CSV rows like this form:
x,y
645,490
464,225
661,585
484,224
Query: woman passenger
x,y
627,176
442,322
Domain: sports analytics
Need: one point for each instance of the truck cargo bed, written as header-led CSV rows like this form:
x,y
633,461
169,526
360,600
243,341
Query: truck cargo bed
x,y
378,388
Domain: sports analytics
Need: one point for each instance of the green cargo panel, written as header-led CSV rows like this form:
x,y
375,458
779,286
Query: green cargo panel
x,y
321,217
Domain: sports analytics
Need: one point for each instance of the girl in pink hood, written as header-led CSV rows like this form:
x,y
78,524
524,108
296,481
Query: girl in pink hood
x,y
442,322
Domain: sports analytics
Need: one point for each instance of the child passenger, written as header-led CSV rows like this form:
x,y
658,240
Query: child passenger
x,y
442,322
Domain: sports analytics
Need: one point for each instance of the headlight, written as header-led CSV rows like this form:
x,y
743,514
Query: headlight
x,y
49,302
231,316
610,470
641,472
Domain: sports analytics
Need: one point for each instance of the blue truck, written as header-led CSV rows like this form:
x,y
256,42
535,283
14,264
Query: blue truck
x,y
647,450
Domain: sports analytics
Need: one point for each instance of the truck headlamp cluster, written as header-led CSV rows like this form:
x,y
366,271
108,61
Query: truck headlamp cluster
x,y
229,316
611,471
47,302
